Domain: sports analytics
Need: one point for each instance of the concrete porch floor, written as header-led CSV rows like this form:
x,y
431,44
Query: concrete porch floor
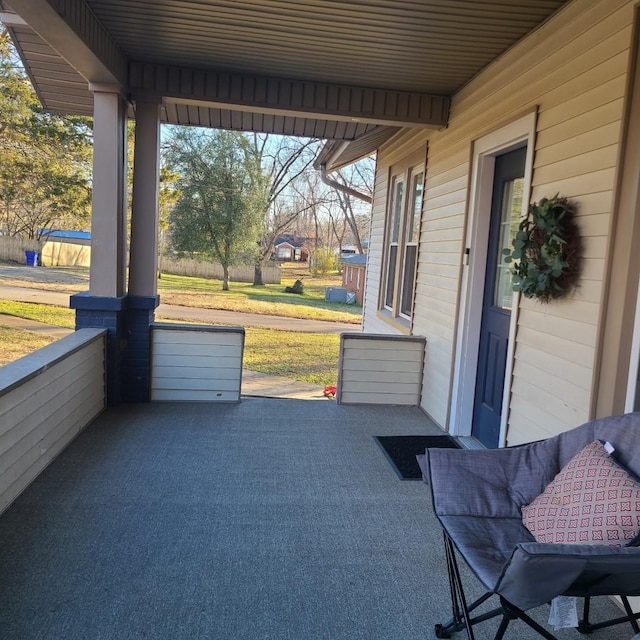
x,y
269,519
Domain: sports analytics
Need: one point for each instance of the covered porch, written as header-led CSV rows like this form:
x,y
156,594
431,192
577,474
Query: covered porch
x,y
289,68
269,518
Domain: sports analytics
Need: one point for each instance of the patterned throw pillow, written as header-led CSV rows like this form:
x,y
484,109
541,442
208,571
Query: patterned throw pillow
x,y
591,501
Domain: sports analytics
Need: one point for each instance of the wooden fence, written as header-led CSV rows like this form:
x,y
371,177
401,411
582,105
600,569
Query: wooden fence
x,y
12,248
188,267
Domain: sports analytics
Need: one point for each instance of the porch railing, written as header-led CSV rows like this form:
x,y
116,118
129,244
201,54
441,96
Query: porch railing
x,y
192,363
380,369
46,399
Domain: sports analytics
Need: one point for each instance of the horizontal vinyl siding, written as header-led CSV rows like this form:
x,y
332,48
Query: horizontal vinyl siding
x,y
191,365
380,370
574,71
439,269
41,415
371,323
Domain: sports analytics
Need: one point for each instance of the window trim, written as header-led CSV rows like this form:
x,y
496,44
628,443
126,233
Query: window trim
x,y
409,219
404,173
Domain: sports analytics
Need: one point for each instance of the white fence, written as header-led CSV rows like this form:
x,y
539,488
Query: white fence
x,y
46,399
187,267
12,248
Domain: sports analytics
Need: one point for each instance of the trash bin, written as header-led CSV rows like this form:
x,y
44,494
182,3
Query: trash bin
x,y
335,294
32,258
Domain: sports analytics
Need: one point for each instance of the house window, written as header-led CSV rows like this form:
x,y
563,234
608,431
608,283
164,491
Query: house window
x,y
411,245
403,233
397,203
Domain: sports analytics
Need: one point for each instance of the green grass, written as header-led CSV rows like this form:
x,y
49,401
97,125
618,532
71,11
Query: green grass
x,y
306,357
269,299
47,314
15,343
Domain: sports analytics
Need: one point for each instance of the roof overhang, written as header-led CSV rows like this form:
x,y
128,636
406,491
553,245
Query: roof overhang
x,y
338,70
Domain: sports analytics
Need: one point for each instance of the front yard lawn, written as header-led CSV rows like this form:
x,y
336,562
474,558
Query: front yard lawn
x,y
269,299
306,357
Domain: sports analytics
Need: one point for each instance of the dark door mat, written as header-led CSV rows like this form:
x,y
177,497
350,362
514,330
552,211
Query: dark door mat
x,y
401,451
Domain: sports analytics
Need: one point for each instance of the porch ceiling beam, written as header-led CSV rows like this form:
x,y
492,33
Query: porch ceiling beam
x,y
71,29
298,98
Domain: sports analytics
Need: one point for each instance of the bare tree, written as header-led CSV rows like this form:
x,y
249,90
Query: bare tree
x,y
284,160
356,177
316,198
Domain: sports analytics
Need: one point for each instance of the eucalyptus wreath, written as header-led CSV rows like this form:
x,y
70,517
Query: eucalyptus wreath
x,y
545,253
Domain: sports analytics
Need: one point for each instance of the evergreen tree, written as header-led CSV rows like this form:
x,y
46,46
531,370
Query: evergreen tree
x,y
45,159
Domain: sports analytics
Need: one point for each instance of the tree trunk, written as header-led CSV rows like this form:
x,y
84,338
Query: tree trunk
x,y
225,277
257,275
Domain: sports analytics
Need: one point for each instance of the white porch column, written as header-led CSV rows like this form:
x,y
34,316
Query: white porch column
x,y
108,242
143,252
103,305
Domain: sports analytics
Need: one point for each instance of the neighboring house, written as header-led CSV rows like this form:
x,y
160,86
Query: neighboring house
x,y
291,248
65,248
558,113
354,268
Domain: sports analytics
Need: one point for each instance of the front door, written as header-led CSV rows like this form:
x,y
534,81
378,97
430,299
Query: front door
x,y
506,209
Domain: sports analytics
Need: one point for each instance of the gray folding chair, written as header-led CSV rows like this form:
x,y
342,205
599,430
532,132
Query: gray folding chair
x,y
478,496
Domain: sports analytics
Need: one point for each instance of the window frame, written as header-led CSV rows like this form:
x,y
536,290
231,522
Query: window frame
x,y
410,219
394,236
394,307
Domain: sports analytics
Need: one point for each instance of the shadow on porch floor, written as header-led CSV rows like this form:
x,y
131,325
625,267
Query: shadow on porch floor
x,y
269,519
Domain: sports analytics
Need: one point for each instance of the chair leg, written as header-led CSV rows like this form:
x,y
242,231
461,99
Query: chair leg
x,y
461,611
633,617
584,626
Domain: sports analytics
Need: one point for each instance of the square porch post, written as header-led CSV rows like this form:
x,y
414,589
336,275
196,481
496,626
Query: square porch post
x,y
104,304
143,298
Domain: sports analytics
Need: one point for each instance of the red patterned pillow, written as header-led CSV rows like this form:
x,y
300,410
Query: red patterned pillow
x,y
591,501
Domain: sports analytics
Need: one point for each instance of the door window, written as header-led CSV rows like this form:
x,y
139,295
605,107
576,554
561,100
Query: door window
x,y
510,219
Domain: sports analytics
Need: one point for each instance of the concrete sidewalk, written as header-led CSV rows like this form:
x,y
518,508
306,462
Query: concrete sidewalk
x,y
193,314
254,384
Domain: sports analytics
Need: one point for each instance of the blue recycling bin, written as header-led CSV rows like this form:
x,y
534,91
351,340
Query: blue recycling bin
x,y
31,258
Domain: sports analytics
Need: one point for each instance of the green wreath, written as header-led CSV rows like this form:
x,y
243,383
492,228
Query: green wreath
x,y
545,253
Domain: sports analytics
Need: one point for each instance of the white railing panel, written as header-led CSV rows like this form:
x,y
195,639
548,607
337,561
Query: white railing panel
x,y
46,399
196,363
380,369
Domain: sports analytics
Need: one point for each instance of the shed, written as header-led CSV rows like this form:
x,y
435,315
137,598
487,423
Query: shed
x,y
354,269
65,248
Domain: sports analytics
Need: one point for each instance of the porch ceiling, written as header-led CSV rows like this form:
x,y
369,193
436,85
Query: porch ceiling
x,y
334,69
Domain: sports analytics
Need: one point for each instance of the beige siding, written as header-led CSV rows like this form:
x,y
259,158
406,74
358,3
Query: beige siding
x,y
192,364
46,398
380,369
574,71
